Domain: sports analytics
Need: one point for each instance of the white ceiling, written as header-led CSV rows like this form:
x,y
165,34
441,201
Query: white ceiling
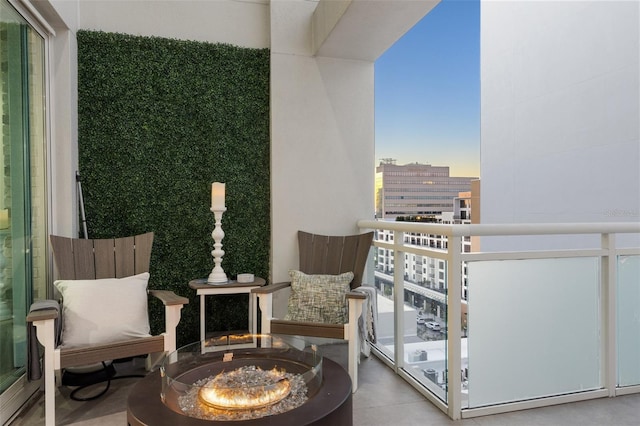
x,y
364,29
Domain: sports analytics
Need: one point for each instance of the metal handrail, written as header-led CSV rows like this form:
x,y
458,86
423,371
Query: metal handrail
x,y
504,229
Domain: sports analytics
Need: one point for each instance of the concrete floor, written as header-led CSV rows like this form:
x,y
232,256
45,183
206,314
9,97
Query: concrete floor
x,y
382,399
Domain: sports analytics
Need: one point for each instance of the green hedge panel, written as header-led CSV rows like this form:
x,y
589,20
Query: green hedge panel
x,y
159,120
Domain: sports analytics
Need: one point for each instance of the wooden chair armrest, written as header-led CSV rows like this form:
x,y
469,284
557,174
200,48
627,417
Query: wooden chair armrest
x,y
356,295
41,315
43,310
169,298
271,288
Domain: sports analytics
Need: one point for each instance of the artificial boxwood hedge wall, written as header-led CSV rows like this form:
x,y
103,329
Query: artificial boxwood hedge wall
x,y
159,120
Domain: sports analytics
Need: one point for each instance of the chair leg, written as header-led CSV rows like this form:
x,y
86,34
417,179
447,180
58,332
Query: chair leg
x,y
355,310
266,307
172,318
353,364
45,332
154,359
58,377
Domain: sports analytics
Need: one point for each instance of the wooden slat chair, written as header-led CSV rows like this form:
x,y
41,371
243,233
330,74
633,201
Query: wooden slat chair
x,y
83,259
332,255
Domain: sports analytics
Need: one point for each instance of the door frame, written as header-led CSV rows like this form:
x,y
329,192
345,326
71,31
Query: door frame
x,y
22,390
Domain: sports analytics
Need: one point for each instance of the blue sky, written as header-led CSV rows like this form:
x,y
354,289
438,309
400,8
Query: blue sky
x,y
427,91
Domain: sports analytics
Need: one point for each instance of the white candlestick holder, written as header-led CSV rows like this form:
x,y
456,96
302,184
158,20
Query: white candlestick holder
x,y
217,275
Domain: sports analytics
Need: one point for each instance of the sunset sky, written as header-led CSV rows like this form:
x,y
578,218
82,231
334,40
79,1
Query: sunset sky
x,y
427,92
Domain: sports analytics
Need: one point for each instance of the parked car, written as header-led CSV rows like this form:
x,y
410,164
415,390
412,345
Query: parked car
x,y
421,320
433,325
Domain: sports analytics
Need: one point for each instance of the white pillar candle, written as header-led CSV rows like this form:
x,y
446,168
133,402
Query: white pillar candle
x,y
217,196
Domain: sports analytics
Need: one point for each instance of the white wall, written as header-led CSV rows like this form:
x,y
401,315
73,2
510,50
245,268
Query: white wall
x,y
560,111
241,23
322,137
62,154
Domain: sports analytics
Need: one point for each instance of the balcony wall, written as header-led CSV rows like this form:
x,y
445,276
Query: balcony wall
x,y
322,147
560,118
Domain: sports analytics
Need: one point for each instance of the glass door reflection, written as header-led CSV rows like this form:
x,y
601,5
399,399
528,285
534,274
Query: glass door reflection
x,y
22,195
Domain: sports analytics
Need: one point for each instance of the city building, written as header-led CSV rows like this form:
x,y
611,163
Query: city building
x,y
465,214
425,278
416,189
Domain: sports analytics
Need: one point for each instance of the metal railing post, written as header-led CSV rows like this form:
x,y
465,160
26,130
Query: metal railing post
x,y
398,299
608,321
454,326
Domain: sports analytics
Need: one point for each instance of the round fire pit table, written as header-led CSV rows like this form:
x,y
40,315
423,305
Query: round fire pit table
x,y
166,397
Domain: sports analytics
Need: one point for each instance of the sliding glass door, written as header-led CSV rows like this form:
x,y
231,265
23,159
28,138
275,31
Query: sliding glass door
x,y
23,209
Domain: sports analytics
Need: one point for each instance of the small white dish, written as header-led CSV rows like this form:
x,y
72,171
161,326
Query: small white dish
x,y
245,278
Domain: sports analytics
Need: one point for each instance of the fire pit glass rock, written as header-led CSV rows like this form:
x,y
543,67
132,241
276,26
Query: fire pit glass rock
x,y
240,377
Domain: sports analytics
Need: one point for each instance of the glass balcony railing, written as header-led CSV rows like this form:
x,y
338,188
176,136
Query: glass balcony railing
x,y
544,314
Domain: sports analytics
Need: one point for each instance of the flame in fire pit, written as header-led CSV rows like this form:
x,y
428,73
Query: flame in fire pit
x,y
245,388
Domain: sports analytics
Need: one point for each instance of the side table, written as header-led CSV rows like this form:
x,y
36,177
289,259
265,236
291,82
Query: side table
x,y
204,289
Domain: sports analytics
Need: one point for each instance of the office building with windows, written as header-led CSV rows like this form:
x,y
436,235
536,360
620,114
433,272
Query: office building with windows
x,y
416,189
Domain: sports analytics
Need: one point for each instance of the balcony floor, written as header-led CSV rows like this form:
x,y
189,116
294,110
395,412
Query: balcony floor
x,y
383,398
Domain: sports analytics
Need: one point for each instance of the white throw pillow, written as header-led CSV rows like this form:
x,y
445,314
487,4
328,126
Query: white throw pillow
x,y
103,311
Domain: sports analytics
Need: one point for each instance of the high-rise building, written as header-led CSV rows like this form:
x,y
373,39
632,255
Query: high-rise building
x,y
416,189
425,283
